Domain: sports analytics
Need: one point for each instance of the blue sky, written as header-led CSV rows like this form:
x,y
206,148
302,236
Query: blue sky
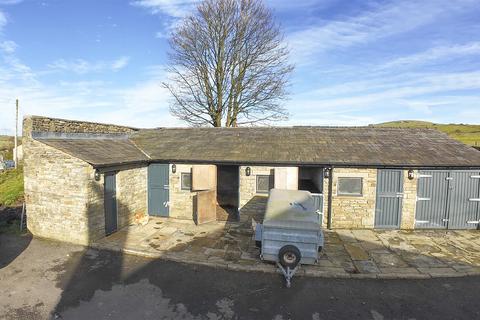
x,y
357,62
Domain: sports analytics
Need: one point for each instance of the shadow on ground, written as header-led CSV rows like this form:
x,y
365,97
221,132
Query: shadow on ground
x,y
10,226
107,284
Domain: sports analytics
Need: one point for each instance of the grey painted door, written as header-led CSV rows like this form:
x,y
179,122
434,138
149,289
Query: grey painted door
x,y
110,203
388,208
432,198
158,190
464,197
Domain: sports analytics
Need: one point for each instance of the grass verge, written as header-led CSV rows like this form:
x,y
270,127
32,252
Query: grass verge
x,y
11,186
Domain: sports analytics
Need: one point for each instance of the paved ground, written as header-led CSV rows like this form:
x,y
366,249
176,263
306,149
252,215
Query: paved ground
x,y
348,253
40,277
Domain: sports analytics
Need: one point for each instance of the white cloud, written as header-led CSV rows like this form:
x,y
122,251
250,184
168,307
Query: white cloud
x,y
437,53
8,46
380,21
7,2
81,66
429,96
172,8
144,104
120,63
3,20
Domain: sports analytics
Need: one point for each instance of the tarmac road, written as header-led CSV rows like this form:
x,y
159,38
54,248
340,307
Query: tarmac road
x,y
42,280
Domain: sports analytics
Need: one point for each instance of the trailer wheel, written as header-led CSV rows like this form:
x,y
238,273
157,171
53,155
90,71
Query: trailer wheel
x,y
289,256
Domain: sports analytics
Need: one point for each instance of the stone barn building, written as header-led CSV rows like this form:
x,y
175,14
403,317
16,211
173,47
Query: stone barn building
x,y
86,180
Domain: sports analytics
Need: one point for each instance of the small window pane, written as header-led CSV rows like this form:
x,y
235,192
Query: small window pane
x,y
264,183
350,186
186,181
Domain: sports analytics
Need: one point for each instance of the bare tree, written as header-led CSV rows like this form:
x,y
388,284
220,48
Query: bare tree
x,y
228,64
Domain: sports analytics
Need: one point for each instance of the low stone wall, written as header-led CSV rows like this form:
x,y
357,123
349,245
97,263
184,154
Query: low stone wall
x,y
44,124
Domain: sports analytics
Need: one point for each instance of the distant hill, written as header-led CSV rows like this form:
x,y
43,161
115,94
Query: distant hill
x,y
466,133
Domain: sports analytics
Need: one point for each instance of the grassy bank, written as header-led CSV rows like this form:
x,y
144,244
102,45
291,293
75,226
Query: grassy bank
x,y
11,197
466,133
11,187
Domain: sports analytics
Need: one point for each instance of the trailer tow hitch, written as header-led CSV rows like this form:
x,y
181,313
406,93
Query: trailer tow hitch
x,y
288,273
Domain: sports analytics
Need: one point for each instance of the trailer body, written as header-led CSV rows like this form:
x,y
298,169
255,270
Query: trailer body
x,y
290,220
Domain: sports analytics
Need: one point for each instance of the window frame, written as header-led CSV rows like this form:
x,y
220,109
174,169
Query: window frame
x,y
182,187
271,183
343,194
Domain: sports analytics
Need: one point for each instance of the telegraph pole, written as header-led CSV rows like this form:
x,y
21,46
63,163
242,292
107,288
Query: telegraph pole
x,y
15,155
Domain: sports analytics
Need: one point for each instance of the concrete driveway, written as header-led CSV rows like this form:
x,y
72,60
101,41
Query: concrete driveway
x,y
391,254
43,280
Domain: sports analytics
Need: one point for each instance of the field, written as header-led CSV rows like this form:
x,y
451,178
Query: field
x,y
11,197
6,146
466,133
11,187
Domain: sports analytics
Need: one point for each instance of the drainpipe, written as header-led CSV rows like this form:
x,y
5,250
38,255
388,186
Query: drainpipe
x,y
330,188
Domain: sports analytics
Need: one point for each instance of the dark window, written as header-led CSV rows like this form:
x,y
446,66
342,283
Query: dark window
x,y
350,186
264,183
186,181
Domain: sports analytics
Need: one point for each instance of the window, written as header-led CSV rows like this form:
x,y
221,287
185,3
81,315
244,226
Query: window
x,y
349,186
264,183
186,181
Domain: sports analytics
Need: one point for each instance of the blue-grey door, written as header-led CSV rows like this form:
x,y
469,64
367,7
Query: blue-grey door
x,y
448,199
158,190
110,203
463,199
432,199
388,207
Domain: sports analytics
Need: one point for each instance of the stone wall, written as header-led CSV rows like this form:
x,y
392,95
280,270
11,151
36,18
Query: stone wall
x,y
57,194
181,201
409,201
352,211
44,124
248,183
132,193
63,200
359,212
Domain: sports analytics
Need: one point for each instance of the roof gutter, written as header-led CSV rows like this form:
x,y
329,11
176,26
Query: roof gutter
x,y
291,163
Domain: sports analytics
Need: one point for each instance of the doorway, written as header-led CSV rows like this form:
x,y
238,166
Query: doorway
x,y
158,190
311,179
227,192
388,207
110,203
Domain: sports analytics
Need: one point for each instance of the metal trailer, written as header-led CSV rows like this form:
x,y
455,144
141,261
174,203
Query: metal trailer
x,y
291,231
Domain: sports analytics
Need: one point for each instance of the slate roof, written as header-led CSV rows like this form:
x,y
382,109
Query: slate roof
x,y
338,146
98,152
347,146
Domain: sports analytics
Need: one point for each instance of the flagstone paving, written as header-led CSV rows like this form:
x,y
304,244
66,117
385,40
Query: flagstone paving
x,y
347,253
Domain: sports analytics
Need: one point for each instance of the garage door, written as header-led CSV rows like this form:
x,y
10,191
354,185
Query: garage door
x,y
448,199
